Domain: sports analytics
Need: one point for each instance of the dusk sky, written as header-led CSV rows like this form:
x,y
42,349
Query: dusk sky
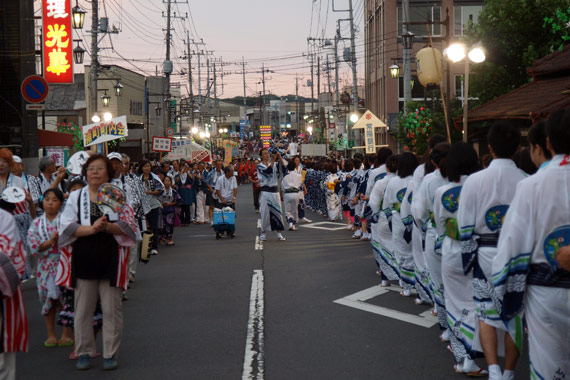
x,y
269,31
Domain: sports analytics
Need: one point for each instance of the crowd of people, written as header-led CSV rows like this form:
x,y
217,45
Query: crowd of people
x,y
485,242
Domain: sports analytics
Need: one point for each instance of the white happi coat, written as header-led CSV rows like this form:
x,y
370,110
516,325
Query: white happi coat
x,y
536,225
374,176
485,198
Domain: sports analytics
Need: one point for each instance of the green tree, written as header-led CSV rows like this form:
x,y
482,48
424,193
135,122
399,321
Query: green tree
x,y
514,33
72,129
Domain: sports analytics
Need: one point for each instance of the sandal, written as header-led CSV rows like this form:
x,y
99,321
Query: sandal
x,y
51,344
458,367
65,343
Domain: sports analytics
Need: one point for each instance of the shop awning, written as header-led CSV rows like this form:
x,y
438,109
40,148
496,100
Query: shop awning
x,y
52,138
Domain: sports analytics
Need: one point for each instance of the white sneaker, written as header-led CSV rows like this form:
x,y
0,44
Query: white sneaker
x,y
357,234
385,283
281,237
349,226
262,237
154,252
290,226
365,236
306,220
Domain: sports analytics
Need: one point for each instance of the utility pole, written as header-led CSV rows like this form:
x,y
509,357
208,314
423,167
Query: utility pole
x,y
328,75
263,98
406,55
353,57
168,66
336,38
191,94
215,92
318,84
244,94
297,101
312,86
208,87
94,59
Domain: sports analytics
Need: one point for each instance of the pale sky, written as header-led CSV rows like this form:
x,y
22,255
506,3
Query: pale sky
x,y
263,31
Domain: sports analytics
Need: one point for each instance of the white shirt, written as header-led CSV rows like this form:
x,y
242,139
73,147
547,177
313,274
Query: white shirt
x,y
292,180
422,204
226,187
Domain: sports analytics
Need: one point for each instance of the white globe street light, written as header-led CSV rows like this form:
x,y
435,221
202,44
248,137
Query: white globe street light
x,y
476,55
456,52
194,130
107,116
310,129
95,118
353,118
207,135
201,135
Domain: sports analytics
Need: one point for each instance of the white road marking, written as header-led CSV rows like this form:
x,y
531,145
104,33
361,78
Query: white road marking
x,y
321,226
357,301
258,244
253,363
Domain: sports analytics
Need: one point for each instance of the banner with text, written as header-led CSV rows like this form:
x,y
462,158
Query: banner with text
x,y
104,131
161,144
265,132
57,43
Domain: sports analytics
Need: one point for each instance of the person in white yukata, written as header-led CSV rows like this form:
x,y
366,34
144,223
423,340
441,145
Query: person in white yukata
x,y
527,272
485,199
381,223
461,162
393,199
268,173
290,184
422,211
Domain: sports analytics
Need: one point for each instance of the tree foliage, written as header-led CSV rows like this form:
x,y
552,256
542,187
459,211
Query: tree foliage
x,y
514,33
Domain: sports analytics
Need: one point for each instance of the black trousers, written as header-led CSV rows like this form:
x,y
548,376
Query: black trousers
x,y
256,193
185,214
152,217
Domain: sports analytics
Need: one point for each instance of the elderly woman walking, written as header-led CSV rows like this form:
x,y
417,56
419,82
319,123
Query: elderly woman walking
x,y
99,262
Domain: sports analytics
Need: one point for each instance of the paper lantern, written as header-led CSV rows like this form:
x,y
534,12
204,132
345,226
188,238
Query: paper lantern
x,y
429,63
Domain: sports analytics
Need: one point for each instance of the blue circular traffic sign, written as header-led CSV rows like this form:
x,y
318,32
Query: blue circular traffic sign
x,y
34,89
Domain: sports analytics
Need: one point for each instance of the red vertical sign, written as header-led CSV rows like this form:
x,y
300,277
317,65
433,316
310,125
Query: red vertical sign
x,y
57,41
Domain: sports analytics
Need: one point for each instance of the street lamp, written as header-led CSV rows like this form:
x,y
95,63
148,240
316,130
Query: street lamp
x,y
78,53
105,99
353,117
455,53
78,16
202,135
95,118
118,88
310,130
394,71
157,110
107,116
194,130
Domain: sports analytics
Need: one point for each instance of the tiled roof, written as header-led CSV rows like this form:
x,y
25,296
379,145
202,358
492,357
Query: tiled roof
x,y
556,63
67,97
549,90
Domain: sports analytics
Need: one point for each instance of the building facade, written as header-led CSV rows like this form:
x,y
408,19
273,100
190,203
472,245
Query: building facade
x,y
383,25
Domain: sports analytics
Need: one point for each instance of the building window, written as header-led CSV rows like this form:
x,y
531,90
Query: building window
x,y
459,86
421,14
464,16
417,88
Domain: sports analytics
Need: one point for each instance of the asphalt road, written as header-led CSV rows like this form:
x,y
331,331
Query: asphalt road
x,y
187,314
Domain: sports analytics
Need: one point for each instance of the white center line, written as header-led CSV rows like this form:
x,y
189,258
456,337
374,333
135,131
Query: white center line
x,y
253,363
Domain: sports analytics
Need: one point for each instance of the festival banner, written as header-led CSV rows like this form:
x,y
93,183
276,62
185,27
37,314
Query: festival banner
x,y
57,43
265,132
104,131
